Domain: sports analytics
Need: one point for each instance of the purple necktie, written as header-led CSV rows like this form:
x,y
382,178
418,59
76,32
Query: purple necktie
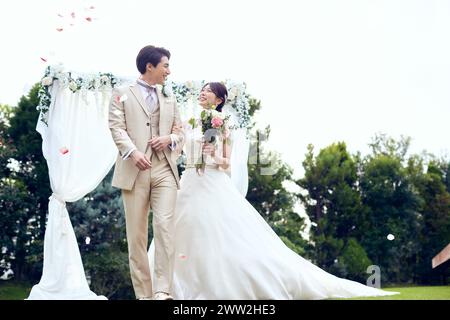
x,y
150,100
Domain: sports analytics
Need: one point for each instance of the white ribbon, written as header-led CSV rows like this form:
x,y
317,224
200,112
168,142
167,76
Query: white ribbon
x,y
64,216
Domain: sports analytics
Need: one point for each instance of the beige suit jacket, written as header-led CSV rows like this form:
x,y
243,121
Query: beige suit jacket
x,y
129,121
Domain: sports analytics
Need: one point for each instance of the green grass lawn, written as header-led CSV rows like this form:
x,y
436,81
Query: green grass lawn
x,y
10,290
414,293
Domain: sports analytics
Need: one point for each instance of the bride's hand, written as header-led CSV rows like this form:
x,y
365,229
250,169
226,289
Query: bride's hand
x,y
209,149
177,129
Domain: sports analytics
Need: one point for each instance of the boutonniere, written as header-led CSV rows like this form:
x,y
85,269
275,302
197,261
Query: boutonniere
x,y
167,90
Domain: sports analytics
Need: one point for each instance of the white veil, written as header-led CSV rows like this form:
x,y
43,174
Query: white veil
x,y
239,151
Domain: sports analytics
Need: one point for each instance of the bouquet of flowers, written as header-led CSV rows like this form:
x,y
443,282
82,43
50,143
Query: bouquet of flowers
x,y
213,123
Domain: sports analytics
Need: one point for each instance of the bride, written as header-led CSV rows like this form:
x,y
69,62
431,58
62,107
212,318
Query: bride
x,y
224,249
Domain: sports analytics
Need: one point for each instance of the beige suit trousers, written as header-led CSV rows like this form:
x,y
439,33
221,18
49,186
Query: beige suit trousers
x,y
155,188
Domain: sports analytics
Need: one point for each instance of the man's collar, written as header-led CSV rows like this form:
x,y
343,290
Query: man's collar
x,y
145,84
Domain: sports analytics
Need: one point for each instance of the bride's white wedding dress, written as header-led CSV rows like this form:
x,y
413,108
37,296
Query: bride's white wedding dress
x,y
224,249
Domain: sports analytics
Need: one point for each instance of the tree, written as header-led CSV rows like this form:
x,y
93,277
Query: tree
x,y
382,144
355,260
333,205
435,219
331,179
446,170
21,239
8,194
393,208
30,181
6,148
18,230
28,143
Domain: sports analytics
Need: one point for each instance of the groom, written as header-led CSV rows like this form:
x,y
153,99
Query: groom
x,y
142,120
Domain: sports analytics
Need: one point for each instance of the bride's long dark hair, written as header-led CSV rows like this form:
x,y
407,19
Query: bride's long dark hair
x,y
220,91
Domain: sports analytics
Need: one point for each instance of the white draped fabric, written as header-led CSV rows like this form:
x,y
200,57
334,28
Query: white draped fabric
x,y
79,150
239,153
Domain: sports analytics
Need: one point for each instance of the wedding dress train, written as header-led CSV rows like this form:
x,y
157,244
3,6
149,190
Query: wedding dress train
x,y
224,249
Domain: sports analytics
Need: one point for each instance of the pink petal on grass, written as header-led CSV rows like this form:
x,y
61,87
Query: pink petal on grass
x,y
64,150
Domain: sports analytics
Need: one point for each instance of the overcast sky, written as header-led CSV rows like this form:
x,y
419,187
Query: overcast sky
x,y
325,71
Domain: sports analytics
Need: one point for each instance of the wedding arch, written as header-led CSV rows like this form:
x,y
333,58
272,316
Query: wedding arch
x,y
79,150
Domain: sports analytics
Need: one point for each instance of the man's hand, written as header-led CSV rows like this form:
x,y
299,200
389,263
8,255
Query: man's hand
x,y
159,143
140,160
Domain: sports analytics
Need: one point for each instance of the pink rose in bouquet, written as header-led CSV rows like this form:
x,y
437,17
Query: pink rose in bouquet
x,y
213,123
216,122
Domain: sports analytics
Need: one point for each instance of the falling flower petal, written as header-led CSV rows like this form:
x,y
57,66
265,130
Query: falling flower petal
x,y
88,19
64,150
182,256
72,15
44,59
390,237
88,240
59,29
60,15
92,7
